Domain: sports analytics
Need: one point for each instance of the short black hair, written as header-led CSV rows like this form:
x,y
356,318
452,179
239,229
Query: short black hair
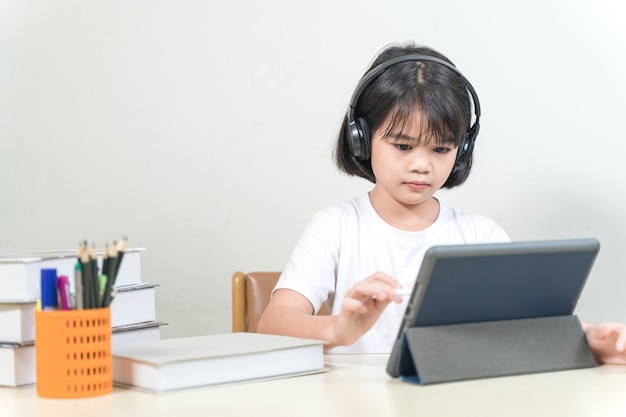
x,y
437,91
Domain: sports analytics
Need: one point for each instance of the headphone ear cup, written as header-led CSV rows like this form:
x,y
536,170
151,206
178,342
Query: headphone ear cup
x,y
359,138
366,139
461,156
465,151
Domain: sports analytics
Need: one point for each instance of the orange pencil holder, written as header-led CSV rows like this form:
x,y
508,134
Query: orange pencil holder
x,y
73,353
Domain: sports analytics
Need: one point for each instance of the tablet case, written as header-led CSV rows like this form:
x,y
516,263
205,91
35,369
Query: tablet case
x,y
458,352
530,329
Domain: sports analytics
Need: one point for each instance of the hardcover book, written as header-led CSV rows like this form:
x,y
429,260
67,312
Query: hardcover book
x,y
20,273
17,322
17,364
174,364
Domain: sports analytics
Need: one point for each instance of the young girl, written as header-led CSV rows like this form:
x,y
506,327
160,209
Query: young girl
x,y
410,131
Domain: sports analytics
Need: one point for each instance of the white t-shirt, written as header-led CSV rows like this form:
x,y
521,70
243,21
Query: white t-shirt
x,y
347,243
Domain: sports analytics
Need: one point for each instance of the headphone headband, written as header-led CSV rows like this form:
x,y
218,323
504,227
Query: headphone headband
x,y
358,131
379,69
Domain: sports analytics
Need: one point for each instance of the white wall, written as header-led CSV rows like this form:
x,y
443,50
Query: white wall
x,y
203,130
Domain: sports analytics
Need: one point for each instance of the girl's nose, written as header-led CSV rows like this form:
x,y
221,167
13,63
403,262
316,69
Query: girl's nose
x,y
419,161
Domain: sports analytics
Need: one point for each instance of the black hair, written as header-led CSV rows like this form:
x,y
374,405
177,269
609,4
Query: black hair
x,y
395,94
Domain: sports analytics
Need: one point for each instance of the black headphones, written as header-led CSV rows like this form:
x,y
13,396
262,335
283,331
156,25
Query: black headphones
x,y
358,131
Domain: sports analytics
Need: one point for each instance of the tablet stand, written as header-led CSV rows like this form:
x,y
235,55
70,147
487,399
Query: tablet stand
x,y
457,352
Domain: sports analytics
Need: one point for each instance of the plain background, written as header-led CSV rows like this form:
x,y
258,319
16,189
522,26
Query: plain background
x,y
203,130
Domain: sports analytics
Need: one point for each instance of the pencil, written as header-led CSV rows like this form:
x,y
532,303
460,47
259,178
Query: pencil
x,y
112,260
93,261
121,249
78,285
110,272
114,267
83,253
105,260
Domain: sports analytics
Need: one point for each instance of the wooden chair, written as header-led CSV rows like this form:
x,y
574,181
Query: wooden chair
x,y
250,294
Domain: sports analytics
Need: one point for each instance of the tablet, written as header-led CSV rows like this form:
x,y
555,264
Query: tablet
x,y
496,281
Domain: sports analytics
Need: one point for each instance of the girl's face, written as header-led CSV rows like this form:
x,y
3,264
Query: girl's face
x,y
408,164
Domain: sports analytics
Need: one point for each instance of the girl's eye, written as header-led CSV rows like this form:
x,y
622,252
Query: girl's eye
x,y
403,146
442,149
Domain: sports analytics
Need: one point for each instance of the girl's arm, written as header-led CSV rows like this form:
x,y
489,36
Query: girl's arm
x,y
290,313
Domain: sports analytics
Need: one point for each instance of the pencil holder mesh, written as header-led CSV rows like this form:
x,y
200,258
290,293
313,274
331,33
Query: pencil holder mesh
x,y
73,353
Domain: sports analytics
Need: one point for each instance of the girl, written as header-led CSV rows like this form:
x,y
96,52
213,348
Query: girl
x,y
410,131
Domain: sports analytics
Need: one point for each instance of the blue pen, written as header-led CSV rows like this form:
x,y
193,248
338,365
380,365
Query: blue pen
x,y
48,289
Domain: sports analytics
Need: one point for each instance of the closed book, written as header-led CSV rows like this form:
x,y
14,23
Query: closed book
x,y
17,365
174,364
140,332
20,273
17,322
133,304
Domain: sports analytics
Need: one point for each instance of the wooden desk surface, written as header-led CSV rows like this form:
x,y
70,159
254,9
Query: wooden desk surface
x,y
355,385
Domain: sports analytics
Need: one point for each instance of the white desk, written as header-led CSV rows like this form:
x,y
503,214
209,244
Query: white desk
x,y
355,385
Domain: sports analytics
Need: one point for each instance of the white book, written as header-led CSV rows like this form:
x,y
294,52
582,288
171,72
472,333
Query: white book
x,y
17,365
141,332
173,364
133,304
20,273
17,322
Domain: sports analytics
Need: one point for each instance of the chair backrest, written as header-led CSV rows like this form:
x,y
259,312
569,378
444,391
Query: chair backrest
x,y
250,294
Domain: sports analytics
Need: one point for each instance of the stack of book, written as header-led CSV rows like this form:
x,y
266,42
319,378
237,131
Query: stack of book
x,y
133,312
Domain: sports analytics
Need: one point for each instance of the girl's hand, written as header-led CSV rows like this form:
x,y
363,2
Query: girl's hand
x,y
608,342
363,305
